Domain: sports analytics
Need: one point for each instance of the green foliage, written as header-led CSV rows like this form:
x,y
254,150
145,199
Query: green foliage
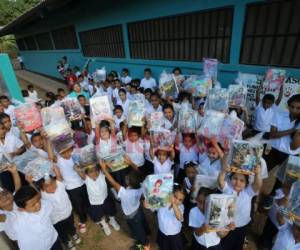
x,y
11,9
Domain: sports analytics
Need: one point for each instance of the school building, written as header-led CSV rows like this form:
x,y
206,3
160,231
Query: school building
x,y
244,35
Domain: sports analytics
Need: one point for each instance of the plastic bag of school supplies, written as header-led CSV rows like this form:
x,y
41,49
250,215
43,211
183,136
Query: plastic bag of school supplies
x,y
162,139
211,123
100,108
245,156
202,181
22,160
99,75
62,142
168,85
237,95
231,129
289,170
198,85
220,211
158,190
5,162
218,99
210,68
293,207
51,115
87,155
136,113
73,110
156,121
39,168
115,160
273,80
28,117
187,120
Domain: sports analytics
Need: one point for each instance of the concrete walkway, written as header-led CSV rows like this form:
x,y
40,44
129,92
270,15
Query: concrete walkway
x,y
41,83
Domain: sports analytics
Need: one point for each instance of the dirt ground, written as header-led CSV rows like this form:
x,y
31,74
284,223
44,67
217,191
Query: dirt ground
x,y
94,238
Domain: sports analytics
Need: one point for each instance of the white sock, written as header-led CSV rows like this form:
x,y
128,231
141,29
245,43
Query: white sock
x,y
102,222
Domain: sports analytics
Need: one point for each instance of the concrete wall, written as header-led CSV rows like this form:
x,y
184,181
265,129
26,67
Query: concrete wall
x,y
91,14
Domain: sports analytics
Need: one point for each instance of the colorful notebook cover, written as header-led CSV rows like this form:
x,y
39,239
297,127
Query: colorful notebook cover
x,y
116,160
199,86
73,110
289,171
28,117
211,123
136,113
187,120
218,99
237,95
156,121
168,85
245,156
274,80
100,108
162,139
158,190
220,211
210,68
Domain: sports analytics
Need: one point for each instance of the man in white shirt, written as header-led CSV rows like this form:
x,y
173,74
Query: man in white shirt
x,y
148,81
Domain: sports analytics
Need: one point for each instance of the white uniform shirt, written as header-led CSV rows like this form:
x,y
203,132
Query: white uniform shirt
x,y
10,217
164,168
39,151
148,83
10,110
60,202
167,221
208,167
243,204
151,110
115,95
71,179
186,154
197,220
130,199
33,95
136,151
124,105
263,117
97,190
126,79
119,120
35,230
282,121
285,239
11,144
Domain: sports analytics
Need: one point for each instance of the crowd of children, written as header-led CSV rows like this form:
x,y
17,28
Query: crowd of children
x,y
39,214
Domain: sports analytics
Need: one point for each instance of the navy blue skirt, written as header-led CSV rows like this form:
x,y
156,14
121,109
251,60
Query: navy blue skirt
x,y
170,242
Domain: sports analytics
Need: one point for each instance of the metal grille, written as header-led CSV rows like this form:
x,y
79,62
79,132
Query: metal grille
x,y
44,41
103,42
21,44
272,34
65,38
30,43
187,37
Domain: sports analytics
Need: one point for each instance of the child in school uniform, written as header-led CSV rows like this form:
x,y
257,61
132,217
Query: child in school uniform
x,y
148,81
90,132
163,159
210,162
75,186
154,104
125,76
32,227
9,109
170,118
119,116
170,218
130,203
288,237
6,122
239,186
124,101
54,192
188,151
115,93
203,237
101,202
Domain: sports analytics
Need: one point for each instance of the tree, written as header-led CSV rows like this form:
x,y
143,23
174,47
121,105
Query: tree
x,y
10,10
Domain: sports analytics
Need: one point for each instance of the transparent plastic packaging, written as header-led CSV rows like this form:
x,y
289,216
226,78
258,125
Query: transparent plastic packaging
x,y
28,117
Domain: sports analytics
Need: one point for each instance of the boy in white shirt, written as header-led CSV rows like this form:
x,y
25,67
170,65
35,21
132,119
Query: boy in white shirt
x,y
33,227
32,93
155,104
148,81
8,108
125,76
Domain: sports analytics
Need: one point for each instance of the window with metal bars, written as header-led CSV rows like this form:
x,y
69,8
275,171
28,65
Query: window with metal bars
x,y
30,43
103,42
44,41
65,38
21,44
186,37
272,34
